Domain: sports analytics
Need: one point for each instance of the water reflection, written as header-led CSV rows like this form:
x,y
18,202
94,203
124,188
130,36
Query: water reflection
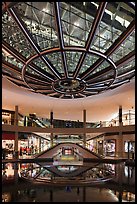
x,y
121,186
67,173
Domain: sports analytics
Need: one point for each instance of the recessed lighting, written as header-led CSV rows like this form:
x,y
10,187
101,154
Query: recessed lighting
x,y
45,10
76,24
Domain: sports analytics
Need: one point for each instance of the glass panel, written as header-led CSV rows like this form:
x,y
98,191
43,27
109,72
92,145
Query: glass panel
x,y
56,60
41,64
101,67
125,48
75,24
72,60
34,74
128,67
115,20
39,20
31,71
9,58
14,37
89,61
105,77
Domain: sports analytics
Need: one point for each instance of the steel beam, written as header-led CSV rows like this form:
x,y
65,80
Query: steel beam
x,y
22,59
91,35
60,35
30,39
111,49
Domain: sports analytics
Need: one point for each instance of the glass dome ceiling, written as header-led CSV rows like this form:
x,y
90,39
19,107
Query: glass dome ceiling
x,y
68,50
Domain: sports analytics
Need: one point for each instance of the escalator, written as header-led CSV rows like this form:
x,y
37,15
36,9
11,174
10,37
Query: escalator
x,y
35,121
39,123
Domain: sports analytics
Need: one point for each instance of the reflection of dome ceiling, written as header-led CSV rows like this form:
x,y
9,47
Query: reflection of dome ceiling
x,y
62,50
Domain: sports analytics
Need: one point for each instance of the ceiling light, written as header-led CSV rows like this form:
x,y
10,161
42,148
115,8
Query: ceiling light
x,y
76,24
45,10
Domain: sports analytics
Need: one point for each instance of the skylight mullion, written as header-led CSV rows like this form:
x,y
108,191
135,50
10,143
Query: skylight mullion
x,y
91,35
119,63
111,49
121,39
13,52
60,36
125,59
95,24
22,59
125,74
27,34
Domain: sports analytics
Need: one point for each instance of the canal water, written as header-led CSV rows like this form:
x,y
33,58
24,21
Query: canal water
x,y
87,182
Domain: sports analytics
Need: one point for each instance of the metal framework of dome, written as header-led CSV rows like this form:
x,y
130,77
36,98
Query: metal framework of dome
x,y
68,50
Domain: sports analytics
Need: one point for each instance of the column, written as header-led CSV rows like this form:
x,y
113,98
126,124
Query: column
x,y
51,195
119,145
39,144
120,180
129,117
120,115
84,194
128,150
16,172
51,122
84,125
16,156
12,118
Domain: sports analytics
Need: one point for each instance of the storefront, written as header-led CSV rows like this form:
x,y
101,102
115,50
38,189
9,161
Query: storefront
x,y
109,147
7,118
28,144
7,145
129,149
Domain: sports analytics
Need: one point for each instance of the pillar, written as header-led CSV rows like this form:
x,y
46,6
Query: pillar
x,y
16,172
12,119
39,144
120,180
16,155
119,145
128,150
120,115
51,195
51,122
84,125
84,194
129,117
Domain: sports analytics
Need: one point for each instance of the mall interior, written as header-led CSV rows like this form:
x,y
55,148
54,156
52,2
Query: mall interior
x,y
68,101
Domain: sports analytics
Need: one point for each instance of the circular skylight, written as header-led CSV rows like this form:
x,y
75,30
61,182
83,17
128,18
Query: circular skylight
x,y
68,50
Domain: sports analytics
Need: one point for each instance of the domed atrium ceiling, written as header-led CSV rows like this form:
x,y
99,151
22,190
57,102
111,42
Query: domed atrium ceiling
x,y
68,49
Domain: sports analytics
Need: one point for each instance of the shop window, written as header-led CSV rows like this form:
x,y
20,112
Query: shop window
x,y
130,145
109,147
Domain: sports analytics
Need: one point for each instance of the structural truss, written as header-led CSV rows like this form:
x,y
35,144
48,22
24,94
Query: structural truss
x,y
68,50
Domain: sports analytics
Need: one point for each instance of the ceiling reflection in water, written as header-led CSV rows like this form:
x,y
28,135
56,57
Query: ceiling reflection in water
x,y
45,182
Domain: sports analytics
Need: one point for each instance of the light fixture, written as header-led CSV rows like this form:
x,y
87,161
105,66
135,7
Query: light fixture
x,y
76,23
45,10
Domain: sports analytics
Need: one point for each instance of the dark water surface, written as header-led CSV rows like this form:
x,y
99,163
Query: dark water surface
x,y
90,182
